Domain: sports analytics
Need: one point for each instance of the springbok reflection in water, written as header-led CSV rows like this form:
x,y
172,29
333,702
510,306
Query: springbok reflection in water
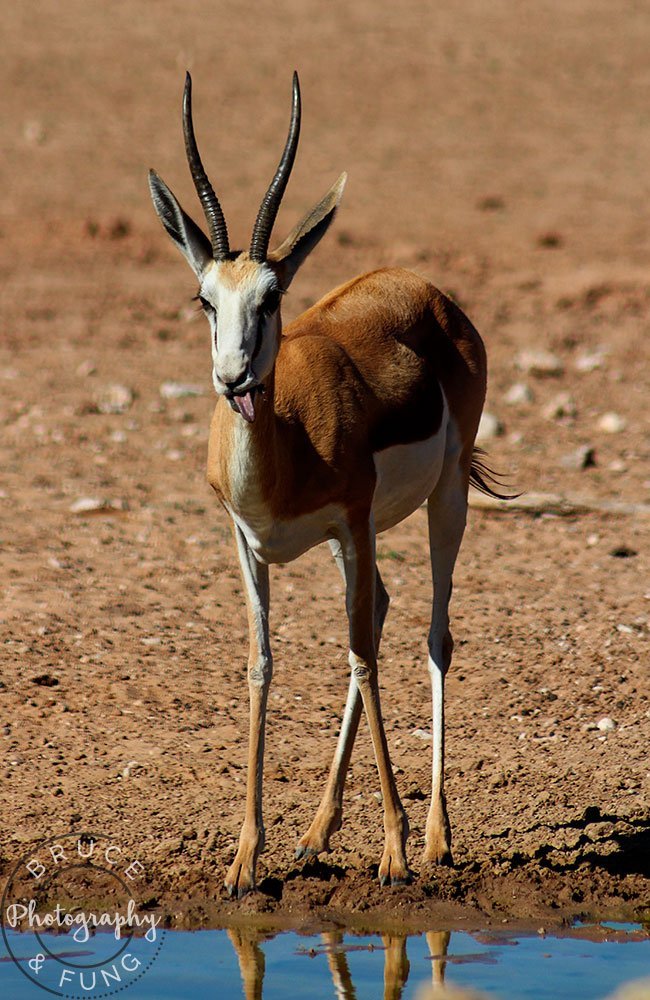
x,y
247,940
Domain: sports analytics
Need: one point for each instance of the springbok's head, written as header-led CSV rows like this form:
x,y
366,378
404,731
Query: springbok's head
x,y
241,291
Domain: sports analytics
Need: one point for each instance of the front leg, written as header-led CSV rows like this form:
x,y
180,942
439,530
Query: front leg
x,y
241,876
359,557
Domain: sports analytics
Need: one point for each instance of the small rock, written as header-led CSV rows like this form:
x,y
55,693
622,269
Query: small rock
x,y
45,680
589,362
612,423
421,734
539,363
583,457
95,505
592,540
606,725
489,427
562,405
518,394
114,399
132,766
34,133
86,368
180,390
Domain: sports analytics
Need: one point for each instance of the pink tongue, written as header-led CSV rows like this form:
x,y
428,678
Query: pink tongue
x,y
246,406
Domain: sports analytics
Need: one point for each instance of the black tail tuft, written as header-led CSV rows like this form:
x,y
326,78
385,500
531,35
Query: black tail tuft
x,y
484,479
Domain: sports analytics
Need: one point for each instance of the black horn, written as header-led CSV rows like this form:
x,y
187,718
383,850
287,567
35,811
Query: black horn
x,y
213,212
273,197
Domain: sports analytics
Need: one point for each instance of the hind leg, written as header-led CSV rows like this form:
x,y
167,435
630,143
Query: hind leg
x,y
447,513
330,810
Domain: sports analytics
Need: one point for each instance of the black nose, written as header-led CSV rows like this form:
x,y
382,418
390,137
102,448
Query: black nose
x,y
238,381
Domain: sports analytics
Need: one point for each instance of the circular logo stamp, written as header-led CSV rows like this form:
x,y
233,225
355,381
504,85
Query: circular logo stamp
x,y
75,919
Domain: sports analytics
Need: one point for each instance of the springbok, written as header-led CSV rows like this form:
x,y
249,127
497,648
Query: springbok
x,y
333,429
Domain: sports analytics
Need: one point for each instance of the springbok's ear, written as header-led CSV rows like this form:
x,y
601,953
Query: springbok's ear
x,y
190,240
303,238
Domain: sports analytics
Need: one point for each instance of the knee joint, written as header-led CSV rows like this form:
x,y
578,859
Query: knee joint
x,y
362,670
260,671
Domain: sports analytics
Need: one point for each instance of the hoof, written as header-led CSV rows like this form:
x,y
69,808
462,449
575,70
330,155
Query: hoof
x,y
238,883
441,856
238,891
304,852
385,880
393,871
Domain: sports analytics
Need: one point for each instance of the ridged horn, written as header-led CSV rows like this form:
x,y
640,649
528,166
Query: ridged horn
x,y
273,197
213,213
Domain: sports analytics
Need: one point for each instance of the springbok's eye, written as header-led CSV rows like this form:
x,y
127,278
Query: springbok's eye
x,y
271,302
205,305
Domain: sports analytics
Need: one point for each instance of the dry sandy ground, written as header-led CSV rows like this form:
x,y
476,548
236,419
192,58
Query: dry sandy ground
x,y
499,149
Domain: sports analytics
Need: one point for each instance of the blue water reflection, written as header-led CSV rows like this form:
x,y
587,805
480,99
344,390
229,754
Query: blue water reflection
x,y
252,964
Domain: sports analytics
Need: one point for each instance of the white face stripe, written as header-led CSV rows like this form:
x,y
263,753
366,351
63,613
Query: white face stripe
x,y
242,337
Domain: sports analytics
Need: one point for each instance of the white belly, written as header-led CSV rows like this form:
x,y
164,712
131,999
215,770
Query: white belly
x,y
406,475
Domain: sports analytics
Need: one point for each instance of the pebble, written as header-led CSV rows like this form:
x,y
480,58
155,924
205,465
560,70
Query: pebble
x,y
606,725
539,363
562,405
422,734
489,427
114,399
180,390
588,362
86,368
132,766
95,505
34,133
583,457
612,423
518,393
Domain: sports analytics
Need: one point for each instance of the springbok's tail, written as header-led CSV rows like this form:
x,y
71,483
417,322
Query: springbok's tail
x,y
485,479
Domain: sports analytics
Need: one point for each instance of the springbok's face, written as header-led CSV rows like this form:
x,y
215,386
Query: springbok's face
x,y
241,299
240,293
